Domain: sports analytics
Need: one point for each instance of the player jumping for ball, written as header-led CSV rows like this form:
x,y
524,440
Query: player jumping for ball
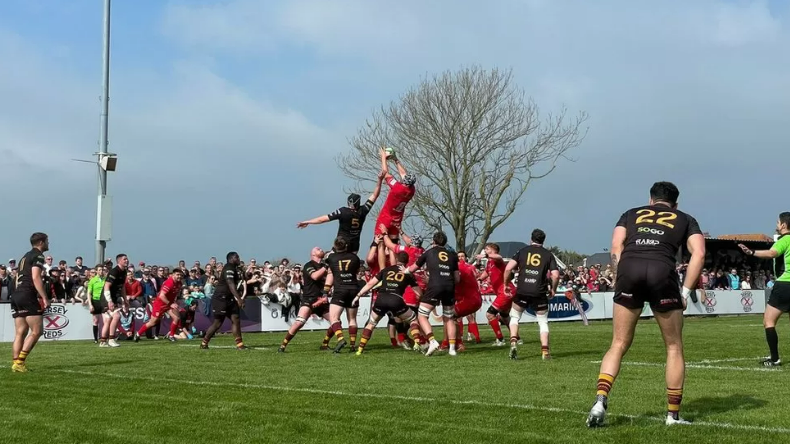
x,y
350,218
400,194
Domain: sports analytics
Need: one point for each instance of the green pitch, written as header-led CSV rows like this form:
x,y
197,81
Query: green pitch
x,y
158,392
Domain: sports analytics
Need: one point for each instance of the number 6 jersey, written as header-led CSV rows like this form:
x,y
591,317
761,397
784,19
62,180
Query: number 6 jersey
x,y
656,232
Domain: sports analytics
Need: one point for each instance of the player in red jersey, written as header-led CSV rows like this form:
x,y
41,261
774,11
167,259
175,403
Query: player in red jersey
x,y
414,249
500,308
467,299
164,303
400,194
471,321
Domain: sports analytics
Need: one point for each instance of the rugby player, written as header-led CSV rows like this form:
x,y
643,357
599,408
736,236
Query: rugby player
x,y
779,301
645,243
393,282
534,264
441,263
28,302
471,320
115,296
314,301
400,194
377,260
501,307
165,302
342,280
350,218
227,301
98,303
467,300
414,249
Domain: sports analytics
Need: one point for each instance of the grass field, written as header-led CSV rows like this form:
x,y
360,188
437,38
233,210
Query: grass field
x,y
156,391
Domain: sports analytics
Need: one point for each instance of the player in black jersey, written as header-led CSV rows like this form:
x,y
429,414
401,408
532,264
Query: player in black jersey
x,y
535,266
342,280
115,295
28,302
350,218
227,301
441,264
314,301
392,282
645,243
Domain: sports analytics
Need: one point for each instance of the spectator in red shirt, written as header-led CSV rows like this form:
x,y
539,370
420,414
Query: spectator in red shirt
x,y
133,287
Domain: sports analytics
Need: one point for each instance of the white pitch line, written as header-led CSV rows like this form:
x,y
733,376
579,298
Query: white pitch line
x,y
713,361
703,366
496,405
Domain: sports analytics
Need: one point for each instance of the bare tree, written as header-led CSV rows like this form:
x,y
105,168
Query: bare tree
x,y
474,141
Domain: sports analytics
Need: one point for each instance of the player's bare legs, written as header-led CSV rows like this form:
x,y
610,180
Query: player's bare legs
x,y
427,330
301,317
351,316
543,327
623,325
515,316
235,329
28,330
671,324
212,330
21,327
450,327
334,322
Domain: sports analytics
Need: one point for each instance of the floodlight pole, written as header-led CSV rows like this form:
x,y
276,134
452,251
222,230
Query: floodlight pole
x,y
101,242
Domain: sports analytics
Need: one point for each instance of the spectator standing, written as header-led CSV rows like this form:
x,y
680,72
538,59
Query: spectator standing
x,y
735,280
133,289
148,285
79,267
5,283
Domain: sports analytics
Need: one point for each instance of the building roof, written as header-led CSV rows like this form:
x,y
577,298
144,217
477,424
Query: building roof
x,y
757,237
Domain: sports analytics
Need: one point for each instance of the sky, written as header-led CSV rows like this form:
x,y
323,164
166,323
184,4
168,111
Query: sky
x,y
227,115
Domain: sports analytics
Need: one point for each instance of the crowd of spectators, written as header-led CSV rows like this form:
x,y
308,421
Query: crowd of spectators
x,y
282,282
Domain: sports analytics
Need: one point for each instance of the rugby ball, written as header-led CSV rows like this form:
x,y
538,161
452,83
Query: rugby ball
x,y
389,152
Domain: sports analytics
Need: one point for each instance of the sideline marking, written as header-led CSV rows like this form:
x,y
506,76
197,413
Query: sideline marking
x,y
720,425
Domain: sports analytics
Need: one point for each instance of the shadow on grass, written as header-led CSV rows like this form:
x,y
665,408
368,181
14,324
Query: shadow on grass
x,y
709,406
102,363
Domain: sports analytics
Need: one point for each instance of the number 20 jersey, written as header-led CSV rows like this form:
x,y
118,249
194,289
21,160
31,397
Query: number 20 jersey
x,y
656,232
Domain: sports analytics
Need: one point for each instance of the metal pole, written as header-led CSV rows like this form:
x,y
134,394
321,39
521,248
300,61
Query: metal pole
x,y
101,245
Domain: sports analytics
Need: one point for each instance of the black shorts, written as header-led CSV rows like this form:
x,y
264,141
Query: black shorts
x,y
535,302
438,296
644,280
24,304
99,306
319,311
780,296
389,303
224,307
344,297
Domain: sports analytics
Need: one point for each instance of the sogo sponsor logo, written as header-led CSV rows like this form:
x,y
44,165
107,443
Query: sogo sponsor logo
x,y
55,322
650,231
747,301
